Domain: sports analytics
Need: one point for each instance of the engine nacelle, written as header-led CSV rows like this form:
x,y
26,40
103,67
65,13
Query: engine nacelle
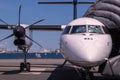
x,y
19,42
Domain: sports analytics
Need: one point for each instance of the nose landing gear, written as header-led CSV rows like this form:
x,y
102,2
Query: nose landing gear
x,y
25,66
85,74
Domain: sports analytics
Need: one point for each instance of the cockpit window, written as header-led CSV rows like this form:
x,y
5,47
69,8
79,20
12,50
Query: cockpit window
x,y
78,29
66,30
83,29
95,29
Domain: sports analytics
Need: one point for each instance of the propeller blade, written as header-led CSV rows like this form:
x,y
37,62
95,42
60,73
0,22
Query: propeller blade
x,y
9,26
4,22
7,37
34,41
19,14
35,23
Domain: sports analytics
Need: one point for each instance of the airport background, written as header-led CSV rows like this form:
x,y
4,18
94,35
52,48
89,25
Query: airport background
x,y
31,12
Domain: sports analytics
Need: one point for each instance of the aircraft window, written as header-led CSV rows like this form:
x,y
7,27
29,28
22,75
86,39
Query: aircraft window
x,y
66,30
79,29
95,29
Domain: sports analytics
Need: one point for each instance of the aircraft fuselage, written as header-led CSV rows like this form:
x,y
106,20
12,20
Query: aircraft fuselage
x,y
85,42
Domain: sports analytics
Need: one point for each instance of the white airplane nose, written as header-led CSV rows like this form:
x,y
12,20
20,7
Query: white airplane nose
x,y
93,51
83,51
91,54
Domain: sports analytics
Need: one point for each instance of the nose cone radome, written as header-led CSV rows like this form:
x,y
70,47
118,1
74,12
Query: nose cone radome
x,y
82,51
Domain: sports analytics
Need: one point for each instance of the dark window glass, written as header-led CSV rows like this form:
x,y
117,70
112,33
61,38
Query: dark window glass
x,y
95,29
66,30
78,29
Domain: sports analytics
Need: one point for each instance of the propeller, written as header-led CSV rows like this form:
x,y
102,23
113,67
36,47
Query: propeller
x,y
18,28
7,37
34,41
11,26
35,23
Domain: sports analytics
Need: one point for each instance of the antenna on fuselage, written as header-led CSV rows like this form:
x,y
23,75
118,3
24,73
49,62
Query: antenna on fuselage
x,y
75,3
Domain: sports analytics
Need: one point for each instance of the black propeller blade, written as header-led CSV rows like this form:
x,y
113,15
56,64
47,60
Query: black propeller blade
x,y
7,37
9,26
35,23
34,41
4,22
19,15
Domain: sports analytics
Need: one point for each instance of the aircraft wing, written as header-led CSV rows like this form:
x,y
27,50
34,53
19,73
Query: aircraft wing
x,y
65,2
7,27
37,27
48,27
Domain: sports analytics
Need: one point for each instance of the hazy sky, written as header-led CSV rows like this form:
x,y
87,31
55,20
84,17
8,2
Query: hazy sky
x,y
31,12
